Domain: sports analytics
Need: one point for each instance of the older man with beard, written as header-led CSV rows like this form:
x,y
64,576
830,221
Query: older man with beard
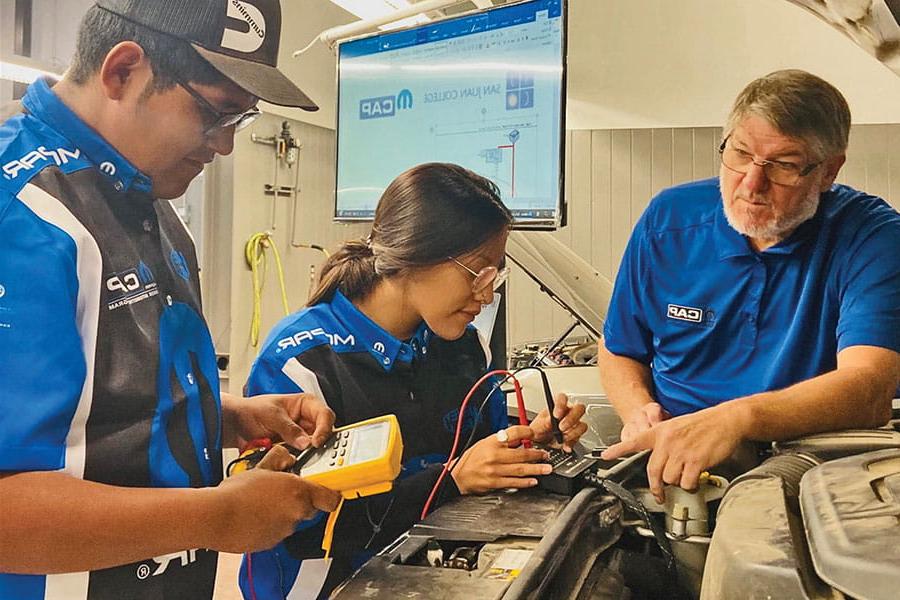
x,y
760,305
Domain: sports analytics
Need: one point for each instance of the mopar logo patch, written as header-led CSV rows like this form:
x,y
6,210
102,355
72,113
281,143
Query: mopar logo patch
x,y
685,313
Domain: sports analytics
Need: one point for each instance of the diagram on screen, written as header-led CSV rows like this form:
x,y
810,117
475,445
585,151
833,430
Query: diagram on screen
x,y
482,93
495,157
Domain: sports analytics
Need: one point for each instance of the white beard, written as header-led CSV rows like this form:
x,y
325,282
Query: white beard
x,y
779,227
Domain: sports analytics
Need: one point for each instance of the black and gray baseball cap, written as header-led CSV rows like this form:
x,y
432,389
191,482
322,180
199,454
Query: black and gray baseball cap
x,y
239,38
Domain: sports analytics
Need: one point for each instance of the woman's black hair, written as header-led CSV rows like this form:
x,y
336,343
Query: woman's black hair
x,y
428,213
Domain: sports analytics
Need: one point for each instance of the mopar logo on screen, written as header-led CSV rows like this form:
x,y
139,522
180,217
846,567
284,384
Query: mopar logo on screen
x,y
404,100
385,106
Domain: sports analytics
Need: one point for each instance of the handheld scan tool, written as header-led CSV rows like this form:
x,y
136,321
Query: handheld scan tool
x,y
357,460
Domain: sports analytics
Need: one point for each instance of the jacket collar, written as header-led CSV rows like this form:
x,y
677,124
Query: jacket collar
x,y
386,349
43,104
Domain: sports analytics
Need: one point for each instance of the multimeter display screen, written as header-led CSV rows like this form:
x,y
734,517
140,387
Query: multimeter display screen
x,y
370,442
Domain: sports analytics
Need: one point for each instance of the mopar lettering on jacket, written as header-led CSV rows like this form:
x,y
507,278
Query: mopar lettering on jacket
x,y
60,157
335,339
685,313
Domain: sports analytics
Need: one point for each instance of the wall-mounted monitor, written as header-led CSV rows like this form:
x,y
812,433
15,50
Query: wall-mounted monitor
x,y
484,90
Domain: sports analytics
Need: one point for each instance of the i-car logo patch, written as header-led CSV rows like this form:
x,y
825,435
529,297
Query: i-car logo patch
x,y
685,313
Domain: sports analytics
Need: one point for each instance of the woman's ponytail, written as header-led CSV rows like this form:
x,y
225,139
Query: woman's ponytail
x,y
351,270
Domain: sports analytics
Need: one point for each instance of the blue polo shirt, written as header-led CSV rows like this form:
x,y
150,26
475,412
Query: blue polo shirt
x,y
717,320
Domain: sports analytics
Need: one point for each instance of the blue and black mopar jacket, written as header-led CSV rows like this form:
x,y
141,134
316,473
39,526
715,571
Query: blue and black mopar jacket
x,y
107,369
336,352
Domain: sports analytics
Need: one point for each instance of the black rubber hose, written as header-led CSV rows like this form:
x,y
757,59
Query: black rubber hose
x,y
548,551
788,467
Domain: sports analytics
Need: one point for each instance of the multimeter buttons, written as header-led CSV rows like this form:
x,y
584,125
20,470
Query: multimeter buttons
x,y
358,460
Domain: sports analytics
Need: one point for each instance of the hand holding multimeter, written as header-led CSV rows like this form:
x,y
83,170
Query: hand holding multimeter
x,y
357,460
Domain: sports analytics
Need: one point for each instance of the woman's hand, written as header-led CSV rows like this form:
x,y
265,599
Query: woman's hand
x,y
493,464
570,423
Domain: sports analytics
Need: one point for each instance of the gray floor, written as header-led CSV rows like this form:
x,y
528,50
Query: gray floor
x,y
227,574
226,578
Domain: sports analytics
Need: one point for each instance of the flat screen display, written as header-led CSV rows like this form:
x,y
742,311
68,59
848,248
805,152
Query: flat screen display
x,y
484,90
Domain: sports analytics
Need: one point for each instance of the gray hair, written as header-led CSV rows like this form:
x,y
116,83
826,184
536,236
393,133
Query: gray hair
x,y
799,105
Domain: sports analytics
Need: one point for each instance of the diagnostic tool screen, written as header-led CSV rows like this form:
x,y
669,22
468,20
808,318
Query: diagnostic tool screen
x,y
369,442
485,91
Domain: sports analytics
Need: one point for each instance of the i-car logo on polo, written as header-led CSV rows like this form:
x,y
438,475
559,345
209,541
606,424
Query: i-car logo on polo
x,y
249,40
685,313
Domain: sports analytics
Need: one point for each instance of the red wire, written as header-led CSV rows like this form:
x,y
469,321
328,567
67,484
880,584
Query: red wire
x,y
250,576
523,420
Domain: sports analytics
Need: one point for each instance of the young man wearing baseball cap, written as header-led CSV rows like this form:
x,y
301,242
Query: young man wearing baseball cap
x,y
111,421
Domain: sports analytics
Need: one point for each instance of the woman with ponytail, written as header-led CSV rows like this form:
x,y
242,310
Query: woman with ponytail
x,y
388,330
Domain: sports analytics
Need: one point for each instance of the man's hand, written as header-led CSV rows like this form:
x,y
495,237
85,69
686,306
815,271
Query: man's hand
x,y
492,464
643,419
297,419
258,508
685,446
570,423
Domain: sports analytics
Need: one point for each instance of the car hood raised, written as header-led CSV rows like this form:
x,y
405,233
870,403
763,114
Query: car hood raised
x,y
566,277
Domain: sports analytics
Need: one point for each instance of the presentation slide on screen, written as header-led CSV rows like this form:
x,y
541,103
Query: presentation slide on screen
x,y
483,94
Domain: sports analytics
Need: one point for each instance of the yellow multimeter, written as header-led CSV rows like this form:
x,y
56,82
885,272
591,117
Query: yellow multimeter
x,y
358,460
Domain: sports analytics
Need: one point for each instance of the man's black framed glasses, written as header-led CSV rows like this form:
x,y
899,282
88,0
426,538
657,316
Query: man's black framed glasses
x,y
220,120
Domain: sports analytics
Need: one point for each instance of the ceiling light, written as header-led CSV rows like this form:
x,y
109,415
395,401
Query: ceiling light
x,y
372,9
375,9
377,14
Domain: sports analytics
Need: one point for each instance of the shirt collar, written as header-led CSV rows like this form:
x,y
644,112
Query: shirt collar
x,y
731,244
46,106
799,236
386,349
